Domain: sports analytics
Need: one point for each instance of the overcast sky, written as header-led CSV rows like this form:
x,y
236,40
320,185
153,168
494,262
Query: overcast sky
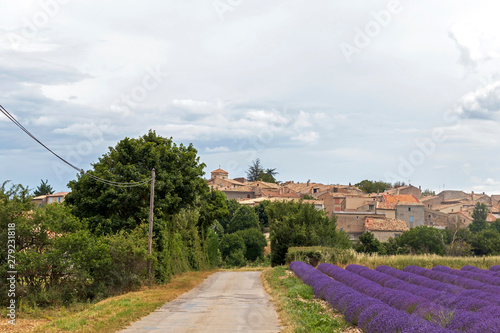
x,y
332,91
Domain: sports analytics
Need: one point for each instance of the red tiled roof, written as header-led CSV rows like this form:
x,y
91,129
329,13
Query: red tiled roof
x,y
386,205
385,224
491,218
220,171
268,193
400,198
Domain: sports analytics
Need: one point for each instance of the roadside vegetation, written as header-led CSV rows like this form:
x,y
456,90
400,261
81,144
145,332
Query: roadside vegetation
x,y
298,309
109,315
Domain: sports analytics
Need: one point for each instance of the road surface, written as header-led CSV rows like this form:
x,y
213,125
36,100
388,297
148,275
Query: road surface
x,y
225,302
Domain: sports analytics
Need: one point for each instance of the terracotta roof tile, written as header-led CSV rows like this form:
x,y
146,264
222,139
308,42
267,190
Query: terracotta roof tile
x,y
385,224
400,198
219,170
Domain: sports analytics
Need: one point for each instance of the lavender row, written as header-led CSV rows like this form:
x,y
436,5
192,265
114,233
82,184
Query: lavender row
x,y
370,314
426,282
487,279
402,300
483,272
452,279
495,268
448,300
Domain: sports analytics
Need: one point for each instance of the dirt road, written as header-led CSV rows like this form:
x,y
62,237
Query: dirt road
x,y
225,302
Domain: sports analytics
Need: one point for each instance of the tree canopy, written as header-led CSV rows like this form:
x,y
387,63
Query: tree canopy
x,y
257,172
299,224
371,186
44,188
109,209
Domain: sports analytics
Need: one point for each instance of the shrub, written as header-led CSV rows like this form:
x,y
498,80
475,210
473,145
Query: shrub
x,y
255,242
232,243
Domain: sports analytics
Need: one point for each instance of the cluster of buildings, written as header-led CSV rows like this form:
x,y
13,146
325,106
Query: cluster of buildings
x,y
386,214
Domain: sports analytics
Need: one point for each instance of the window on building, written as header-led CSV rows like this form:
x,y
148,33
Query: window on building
x,y
432,224
429,216
50,200
59,199
409,209
397,235
411,218
371,207
357,217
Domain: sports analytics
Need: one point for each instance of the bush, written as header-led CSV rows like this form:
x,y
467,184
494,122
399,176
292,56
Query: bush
x,y
244,218
298,224
212,250
236,258
232,243
313,255
255,242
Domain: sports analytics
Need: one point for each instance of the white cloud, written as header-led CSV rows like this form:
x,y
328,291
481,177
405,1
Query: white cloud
x,y
307,137
220,149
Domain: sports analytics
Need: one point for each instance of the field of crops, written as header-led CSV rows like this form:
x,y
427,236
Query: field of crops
x,y
413,300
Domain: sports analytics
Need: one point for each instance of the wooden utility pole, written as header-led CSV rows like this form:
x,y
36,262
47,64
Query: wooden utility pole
x,y
151,204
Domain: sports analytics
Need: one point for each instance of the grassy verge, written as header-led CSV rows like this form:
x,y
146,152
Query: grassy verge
x,y
109,315
297,308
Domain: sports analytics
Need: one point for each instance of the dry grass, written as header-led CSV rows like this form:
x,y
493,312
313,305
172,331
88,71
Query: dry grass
x,y
112,314
425,261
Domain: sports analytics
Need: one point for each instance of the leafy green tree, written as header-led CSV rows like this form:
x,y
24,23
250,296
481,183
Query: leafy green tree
x,y
428,192
244,218
218,230
257,172
486,242
232,248
480,212
370,186
255,242
479,215
495,225
455,238
477,226
260,210
44,188
369,244
422,239
392,247
268,175
299,224
109,209
213,208
254,171
232,207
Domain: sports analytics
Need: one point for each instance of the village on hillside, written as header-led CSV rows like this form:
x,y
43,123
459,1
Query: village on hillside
x,y
386,214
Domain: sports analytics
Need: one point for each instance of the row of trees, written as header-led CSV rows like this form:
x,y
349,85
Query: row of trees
x,y
96,243
479,238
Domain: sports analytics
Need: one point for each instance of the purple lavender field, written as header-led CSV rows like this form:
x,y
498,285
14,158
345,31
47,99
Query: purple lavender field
x,y
412,300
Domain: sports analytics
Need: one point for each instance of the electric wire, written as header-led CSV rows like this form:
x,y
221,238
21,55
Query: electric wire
x,y
105,181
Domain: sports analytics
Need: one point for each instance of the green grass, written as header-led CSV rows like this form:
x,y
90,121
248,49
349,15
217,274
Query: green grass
x,y
298,309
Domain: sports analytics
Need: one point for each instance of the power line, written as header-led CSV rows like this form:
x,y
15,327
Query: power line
x,y
105,181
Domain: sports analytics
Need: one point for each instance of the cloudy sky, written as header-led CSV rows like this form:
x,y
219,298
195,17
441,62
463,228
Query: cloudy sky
x,y
332,91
